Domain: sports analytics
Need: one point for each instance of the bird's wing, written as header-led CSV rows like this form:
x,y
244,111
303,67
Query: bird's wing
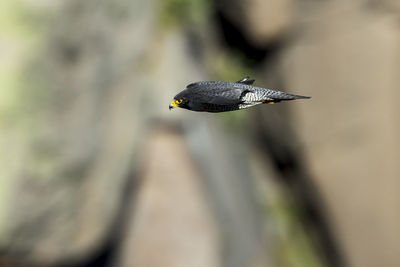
x,y
219,93
219,96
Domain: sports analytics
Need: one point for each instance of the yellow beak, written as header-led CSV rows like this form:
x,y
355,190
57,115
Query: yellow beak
x,y
175,104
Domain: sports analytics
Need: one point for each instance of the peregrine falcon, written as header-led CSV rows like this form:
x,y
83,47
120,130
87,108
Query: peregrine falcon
x,y
217,96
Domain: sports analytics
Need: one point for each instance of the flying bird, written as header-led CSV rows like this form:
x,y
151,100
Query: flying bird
x,y
218,96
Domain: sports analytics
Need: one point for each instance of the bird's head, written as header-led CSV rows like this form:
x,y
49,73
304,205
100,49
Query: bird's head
x,y
177,102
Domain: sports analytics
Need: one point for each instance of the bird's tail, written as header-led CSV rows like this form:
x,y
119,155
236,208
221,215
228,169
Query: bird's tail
x,y
281,96
292,97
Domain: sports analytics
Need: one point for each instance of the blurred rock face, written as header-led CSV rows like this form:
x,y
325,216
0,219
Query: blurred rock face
x,y
95,118
347,59
66,183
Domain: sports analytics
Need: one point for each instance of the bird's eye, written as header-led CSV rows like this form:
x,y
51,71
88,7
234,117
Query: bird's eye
x,y
178,101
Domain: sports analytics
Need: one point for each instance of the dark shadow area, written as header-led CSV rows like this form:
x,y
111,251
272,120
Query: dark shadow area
x,y
290,168
236,42
108,253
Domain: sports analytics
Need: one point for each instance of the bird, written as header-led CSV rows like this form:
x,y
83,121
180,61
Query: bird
x,y
220,96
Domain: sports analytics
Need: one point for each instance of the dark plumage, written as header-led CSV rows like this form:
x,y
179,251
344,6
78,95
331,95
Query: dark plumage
x,y
217,96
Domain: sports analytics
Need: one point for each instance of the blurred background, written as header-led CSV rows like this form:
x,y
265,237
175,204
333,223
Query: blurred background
x,y
96,171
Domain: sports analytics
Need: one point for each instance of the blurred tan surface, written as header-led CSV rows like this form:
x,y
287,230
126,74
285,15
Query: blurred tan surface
x,y
173,224
261,21
352,141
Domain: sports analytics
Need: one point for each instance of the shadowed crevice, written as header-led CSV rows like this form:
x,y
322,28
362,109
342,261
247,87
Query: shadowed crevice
x,y
234,39
291,169
109,252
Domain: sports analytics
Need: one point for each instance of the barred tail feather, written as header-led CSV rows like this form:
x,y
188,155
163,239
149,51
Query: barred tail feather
x,y
284,96
298,97
281,96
